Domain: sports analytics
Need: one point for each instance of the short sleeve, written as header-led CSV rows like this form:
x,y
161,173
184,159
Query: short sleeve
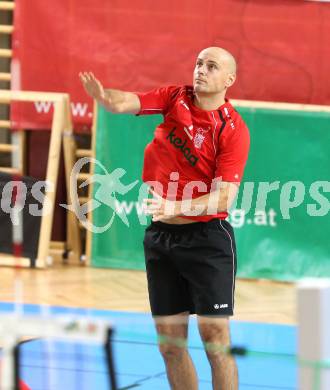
x,y
155,101
234,145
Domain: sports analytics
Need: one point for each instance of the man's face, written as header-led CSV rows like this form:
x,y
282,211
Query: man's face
x,y
212,74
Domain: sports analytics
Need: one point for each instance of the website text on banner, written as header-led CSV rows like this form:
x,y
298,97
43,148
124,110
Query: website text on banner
x,y
281,215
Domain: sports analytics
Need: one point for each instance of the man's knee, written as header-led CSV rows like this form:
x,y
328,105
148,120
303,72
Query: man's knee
x,y
216,337
217,358
172,352
172,344
214,329
172,335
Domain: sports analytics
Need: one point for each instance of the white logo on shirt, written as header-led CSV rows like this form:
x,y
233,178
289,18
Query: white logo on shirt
x,y
184,104
187,131
229,117
198,140
199,137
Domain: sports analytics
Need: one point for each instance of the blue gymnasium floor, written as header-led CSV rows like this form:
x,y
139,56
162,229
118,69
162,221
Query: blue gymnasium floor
x,y
270,365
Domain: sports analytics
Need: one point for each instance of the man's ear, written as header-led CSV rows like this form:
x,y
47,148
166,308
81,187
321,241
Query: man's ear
x,y
230,80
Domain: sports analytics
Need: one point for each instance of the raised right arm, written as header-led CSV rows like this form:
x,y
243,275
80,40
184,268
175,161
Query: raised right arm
x,y
113,100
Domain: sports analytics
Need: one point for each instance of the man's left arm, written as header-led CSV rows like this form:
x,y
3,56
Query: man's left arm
x,y
217,201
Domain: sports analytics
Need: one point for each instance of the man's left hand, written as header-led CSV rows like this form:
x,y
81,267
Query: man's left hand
x,y
161,209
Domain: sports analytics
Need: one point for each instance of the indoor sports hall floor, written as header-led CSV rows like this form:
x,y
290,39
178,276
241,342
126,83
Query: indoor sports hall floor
x,y
264,324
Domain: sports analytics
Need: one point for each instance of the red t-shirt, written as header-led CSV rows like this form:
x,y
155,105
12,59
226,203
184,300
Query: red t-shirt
x,y
198,145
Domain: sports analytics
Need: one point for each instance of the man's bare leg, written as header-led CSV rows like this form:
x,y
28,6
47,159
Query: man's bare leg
x,y
172,332
215,333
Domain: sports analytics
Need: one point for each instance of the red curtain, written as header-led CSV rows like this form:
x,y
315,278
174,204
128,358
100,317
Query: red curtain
x,y
282,48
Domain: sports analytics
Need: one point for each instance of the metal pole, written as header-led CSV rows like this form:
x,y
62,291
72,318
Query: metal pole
x,y
110,360
314,334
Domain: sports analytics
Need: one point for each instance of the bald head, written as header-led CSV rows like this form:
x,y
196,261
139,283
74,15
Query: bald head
x,y
214,73
222,56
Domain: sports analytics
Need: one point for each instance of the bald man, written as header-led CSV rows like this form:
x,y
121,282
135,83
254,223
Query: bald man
x,y
194,166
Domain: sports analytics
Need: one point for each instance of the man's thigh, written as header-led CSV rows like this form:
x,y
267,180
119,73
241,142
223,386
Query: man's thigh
x,y
210,269
168,291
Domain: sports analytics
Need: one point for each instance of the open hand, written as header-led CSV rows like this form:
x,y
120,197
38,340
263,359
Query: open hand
x,y
92,85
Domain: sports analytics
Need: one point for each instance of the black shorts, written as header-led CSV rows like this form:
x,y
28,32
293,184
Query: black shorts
x,y
191,267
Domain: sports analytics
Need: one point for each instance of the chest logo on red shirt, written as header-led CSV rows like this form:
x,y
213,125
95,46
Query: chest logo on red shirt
x,y
200,136
180,144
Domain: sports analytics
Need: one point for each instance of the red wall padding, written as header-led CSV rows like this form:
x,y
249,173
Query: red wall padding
x,y
282,47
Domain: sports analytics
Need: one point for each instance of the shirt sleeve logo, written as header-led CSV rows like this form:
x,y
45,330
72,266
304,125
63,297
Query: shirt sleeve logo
x,y
184,104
